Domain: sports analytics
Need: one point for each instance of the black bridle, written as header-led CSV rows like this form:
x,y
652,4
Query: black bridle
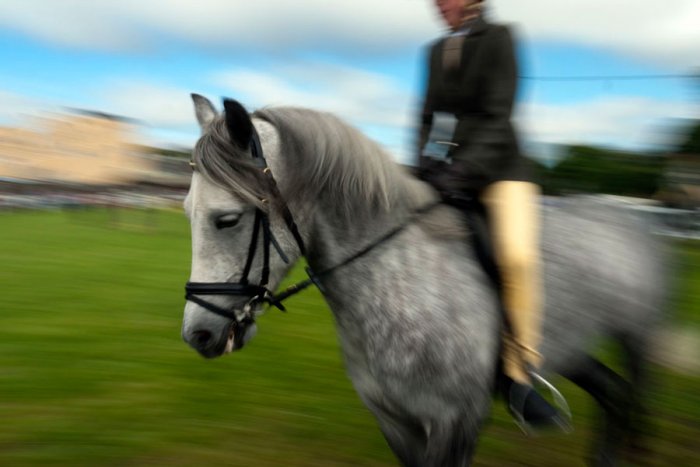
x,y
259,293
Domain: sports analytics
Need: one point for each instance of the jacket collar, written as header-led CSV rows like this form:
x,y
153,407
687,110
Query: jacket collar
x,y
473,27
478,26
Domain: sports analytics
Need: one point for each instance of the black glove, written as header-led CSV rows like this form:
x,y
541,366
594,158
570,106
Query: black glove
x,y
446,178
430,167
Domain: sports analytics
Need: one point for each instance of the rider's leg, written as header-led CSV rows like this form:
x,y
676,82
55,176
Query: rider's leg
x,y
514,221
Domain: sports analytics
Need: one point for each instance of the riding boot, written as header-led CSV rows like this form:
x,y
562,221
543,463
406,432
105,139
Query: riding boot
x,y
530,410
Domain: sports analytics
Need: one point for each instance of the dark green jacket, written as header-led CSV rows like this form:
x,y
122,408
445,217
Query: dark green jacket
x,y
480,92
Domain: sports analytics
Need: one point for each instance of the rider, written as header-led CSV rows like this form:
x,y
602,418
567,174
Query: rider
x,y
472,76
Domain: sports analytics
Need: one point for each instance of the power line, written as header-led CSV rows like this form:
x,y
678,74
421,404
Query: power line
x,y
610,78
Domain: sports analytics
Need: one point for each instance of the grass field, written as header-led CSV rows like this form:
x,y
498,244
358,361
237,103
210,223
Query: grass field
x,y
93,371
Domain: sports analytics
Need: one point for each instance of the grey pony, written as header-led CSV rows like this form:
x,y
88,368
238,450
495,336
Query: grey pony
x,y
416,317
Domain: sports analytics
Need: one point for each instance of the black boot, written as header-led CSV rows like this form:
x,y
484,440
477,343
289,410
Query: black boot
x,y
532,411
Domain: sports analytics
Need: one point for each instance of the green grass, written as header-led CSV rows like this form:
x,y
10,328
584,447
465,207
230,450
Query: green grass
x,y
93,371
687,297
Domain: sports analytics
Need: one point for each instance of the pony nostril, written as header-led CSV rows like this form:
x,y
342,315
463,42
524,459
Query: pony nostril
x,y
202,337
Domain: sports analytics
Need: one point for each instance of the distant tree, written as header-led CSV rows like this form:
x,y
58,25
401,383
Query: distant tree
x,y
680,186
587,169
542,175
691,143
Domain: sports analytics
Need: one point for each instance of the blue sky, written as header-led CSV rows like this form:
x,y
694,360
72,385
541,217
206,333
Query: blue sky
x,y
361,60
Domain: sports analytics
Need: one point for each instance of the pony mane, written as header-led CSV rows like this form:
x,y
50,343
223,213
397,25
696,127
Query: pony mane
x,y
324,156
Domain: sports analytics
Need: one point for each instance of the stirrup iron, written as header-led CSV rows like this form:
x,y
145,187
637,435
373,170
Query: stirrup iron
x,y
563,418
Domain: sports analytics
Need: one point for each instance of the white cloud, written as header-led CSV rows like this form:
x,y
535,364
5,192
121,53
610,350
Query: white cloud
x,y
15,108
160,138
371,101
155,105
359,96
666,33
269,24
76,23
626,123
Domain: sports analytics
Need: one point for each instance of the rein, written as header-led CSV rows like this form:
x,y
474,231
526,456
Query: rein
x,y
260,293
314,277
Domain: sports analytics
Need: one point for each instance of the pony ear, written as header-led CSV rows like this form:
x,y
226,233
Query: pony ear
x,y
204,110
238,123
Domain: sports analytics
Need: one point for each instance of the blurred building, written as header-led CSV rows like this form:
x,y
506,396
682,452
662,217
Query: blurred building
x,y
89,148
681,183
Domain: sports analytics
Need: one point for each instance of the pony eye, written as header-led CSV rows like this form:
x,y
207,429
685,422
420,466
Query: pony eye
x,y
226,221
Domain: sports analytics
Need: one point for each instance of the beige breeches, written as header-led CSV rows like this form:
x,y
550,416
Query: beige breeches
x,y
514,219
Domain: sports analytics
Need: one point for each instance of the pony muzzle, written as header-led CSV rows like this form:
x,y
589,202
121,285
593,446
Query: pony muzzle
x,y
214,337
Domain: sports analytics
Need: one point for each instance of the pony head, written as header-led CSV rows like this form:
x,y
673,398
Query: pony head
x,y
233,216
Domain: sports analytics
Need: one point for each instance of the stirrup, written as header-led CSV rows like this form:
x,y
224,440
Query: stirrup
x,y
563,417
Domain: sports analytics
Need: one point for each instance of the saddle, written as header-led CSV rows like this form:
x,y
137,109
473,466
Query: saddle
x,y
476,216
